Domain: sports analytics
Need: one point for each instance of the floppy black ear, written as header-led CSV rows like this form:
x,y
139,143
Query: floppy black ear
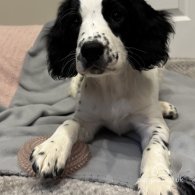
x,y
62,41
151,31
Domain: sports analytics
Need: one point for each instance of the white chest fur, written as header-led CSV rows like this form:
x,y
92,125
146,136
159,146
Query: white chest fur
x,y
113,101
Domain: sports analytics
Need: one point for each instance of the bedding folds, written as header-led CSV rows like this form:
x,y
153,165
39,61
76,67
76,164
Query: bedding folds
x,y
41,104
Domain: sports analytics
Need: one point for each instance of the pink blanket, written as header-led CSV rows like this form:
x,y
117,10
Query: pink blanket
x,y
14,42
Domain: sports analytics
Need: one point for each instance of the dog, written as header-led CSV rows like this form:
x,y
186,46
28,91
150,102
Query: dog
x,y
117,49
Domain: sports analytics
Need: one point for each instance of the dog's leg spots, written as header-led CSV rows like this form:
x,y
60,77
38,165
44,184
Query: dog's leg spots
x,y
155,178
49,158
41,153
165,143
169,111
155,133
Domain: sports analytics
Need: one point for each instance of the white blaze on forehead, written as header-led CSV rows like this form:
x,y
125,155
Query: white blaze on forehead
x,y
90,7
94,27
93,20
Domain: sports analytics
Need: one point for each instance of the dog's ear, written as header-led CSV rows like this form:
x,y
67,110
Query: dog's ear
x,y
62,42
151,37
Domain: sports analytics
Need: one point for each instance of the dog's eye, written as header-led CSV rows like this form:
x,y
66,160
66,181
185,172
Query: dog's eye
x,y
117,16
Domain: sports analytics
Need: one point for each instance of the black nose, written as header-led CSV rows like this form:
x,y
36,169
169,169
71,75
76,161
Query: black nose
x,y
92,51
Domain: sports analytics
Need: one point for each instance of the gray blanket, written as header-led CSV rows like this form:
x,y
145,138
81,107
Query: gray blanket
x,y
41,104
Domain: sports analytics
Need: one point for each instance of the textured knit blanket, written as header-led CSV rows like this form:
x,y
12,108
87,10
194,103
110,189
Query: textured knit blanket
x,y
41,104
14,41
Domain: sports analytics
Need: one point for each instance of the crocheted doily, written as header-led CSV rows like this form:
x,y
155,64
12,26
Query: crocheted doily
x,y
80,155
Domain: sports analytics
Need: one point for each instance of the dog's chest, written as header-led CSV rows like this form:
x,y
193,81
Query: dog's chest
x,y
117,116
110,110
116,101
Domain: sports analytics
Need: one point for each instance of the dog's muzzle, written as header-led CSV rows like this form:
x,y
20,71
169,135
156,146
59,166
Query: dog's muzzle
x,y
92,57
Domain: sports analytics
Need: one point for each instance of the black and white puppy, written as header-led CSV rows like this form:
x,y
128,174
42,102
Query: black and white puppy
x,y
118,46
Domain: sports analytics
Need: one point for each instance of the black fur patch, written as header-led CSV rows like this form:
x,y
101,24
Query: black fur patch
x,y
155,133
164,147
165,143
186,186
135,187
31,156
62,40
41,153
169,193
143,30
35,167
159,127
162,179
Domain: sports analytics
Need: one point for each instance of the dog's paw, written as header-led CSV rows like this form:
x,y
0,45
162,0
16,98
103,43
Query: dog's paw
x,y
49,158
169,111
156,186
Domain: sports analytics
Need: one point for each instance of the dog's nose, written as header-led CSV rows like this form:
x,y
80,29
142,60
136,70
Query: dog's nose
x,y
92,51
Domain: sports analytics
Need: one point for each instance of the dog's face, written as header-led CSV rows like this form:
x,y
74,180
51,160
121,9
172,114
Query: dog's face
x,y
97,37
99,50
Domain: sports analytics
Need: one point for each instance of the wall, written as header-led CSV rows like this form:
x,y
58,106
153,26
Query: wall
x,y
22,12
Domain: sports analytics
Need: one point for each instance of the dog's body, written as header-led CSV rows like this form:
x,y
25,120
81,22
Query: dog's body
x,y
114,106
116,91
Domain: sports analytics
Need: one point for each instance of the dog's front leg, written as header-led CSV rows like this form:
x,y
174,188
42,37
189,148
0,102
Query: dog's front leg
x,y
155,177
49,158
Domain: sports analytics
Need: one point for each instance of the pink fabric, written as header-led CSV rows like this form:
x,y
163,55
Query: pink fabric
x,y
14,42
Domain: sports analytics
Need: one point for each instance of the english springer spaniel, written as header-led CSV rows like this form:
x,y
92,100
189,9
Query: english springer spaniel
x,y
116,48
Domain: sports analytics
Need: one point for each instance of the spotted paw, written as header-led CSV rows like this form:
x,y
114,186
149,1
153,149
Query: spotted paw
x,y
156,186
48,159
169,111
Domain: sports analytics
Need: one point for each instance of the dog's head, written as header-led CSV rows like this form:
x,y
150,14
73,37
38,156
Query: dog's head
x,y
96,37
